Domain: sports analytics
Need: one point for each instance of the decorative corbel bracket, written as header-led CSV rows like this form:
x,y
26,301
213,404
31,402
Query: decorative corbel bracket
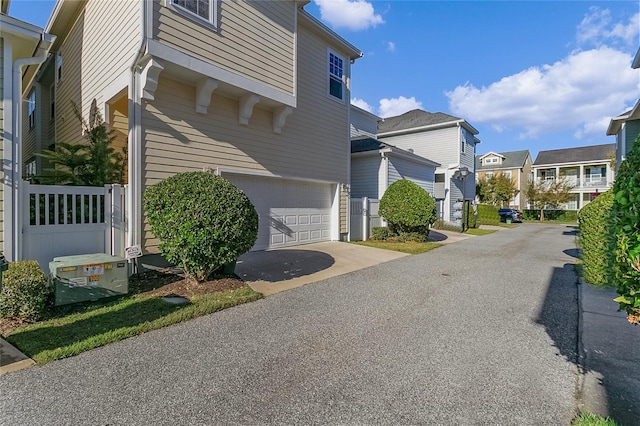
x,y
149,78
204,89
280,117
247,102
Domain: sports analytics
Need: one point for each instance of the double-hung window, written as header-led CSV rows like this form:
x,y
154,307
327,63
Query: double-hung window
x,y
202,9
31,100
59,66
336,75
463,140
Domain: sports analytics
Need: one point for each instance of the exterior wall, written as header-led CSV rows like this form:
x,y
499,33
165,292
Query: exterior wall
x,y
632,130
30,135
455,194
176,139
441,146
254,38
96,55
2,142
402,169
364,176
362,124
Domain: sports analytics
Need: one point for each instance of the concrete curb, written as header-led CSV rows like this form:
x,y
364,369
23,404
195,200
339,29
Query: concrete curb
x,y
11,359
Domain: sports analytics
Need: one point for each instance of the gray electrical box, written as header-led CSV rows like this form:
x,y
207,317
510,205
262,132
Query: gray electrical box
x,y
88,277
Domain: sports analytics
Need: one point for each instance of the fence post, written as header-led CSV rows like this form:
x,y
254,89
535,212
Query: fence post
x,y
365,218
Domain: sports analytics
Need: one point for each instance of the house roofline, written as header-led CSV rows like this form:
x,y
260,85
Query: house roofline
x,y
370,114
435,126
398,153
353,52
636,60
491,153
616,122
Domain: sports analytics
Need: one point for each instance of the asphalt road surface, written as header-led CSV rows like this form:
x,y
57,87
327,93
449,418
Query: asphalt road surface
x,y
483,331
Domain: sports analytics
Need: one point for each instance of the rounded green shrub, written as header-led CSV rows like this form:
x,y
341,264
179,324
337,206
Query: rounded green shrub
x,y
408,208
626,233
595,241
203,221
381,233
26,292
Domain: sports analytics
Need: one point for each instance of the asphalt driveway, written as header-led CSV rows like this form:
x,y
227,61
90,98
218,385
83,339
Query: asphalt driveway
x,y
478,332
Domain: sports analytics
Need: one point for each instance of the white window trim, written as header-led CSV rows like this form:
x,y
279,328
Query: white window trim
x,y
329,75
463,140
31,114
58,66
211,23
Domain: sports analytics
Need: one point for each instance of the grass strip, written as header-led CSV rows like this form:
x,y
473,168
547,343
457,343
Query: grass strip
x,y
410,247
588,419
478,231
73,334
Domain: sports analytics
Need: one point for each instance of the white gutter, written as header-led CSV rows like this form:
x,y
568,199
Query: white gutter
x,y
134,187
42,52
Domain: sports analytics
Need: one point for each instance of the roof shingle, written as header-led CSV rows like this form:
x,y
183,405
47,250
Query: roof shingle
x,y
575,155
414,118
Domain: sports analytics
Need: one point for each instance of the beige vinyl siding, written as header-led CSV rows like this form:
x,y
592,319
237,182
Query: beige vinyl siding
x,y
119,125
97,52
362,124
254,39
441,146
2,141
314,143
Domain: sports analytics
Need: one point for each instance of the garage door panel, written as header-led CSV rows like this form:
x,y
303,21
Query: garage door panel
x,y
290,212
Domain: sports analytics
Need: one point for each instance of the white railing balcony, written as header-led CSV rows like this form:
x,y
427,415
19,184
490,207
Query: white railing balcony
x,y
591,182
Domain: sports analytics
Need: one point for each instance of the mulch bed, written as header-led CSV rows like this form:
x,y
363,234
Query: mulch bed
x,y
154,283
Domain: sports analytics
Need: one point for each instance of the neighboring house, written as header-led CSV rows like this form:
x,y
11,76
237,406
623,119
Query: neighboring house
x,y
375,165
255,91
442,138
21,45
626,128
363,123
516,165
587,168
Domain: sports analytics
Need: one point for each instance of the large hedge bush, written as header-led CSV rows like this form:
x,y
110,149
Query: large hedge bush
x,y
203,221
626,233
595,241
408,208
488,215
26,292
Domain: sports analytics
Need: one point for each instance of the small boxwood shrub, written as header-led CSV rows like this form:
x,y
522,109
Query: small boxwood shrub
x,y
203,221
626,233
381,233
408,208
26,292
595,241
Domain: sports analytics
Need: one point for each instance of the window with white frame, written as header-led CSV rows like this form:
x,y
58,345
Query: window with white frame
x,y
52,102
336,75
202,9
31,101
59,66
463,140
488,175
507,174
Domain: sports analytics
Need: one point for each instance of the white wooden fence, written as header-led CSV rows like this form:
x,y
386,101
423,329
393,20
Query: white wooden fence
x,y
71,220
364,217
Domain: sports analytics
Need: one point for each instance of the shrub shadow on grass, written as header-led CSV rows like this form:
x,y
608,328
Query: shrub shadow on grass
x,y
50,336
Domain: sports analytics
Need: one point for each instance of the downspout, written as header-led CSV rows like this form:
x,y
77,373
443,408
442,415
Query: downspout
x,y
134,187
42,52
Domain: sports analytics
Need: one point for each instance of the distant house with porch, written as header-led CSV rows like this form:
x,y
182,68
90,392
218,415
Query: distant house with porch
x,y
516,165
587,168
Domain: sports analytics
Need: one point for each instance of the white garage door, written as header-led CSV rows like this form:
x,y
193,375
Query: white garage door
x,y
291,212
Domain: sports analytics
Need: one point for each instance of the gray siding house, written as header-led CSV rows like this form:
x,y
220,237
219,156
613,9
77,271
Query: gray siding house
x,y
626,128
363,123
375,165
442,138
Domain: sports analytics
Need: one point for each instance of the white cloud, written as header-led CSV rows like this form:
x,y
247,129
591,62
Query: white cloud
x,y
391,46
396,106
577,93
361,103
597,29
354,15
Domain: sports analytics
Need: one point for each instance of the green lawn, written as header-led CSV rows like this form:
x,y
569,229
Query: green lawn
x,y
588,419
103,324
478,231
407,247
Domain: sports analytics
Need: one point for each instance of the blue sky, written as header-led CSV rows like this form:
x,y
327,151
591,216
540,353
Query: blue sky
x,y
531,75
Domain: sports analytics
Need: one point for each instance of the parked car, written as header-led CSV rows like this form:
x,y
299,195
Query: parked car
x,y
507,213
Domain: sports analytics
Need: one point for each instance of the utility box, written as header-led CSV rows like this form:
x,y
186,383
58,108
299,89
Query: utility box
x,y
88,277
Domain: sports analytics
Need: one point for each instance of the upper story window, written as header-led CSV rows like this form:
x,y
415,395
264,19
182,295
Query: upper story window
x,y
52,100
202,9
488,175
31,101
336,75
463,140
507,174
59,66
